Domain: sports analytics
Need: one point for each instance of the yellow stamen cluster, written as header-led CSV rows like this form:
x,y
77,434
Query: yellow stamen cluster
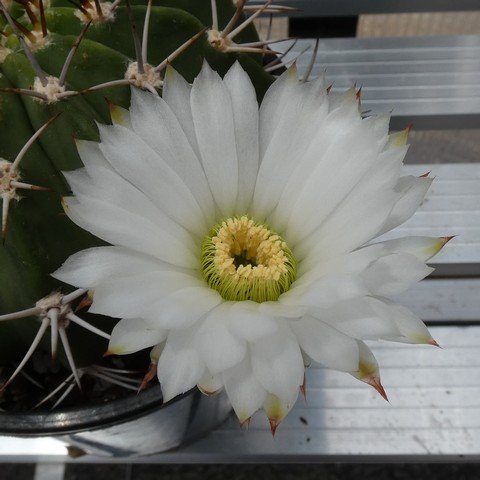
x,y
243,260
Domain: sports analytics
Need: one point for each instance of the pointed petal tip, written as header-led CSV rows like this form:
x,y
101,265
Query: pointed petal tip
x,y
447,239
149,376
425,175
274,423
86,302
303,388
375,382
108,353
245,423
434,343
358,95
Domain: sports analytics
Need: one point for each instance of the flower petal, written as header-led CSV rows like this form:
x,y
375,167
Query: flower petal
x,y
245,392
412,329
394,273
214,126
151,175
300,112
120,227
361,318
180,366
248,323
351,263
326,345
156,124
245,117
88,268
371,199
210,384
219,348
176,92
412,191
131,296
182,308
133,334
325,291
423,248
107,186
91,155
278,364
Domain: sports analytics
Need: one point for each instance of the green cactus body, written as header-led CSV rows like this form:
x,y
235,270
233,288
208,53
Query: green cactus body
x,y
40,237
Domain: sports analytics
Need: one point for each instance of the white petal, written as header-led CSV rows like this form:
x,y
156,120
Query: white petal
x,y
249,323
351,263
342,232
118,226
210,384
133,334
132,296
277,309
413,330
219,348
277,408
91,155
214,126
176,92
273,104
107,186
88,268
278,364
360,318
155,123
244,391
180,366
132,158
298,124
342,150
379,125
394,273
412,191
371,199
245,116
325,292
182,308
326,345
423,248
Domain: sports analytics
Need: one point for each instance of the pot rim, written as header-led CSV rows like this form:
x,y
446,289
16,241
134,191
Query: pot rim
x,y
85,418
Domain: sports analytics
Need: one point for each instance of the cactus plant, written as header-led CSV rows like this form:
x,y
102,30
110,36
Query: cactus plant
x,y
59,61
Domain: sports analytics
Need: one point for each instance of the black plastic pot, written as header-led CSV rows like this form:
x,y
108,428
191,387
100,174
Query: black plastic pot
x,y
132,426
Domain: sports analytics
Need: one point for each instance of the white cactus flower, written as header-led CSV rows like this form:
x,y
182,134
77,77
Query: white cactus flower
x,y
242,237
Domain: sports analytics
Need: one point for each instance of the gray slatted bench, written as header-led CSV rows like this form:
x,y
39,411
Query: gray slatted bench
x,y
435,393
332,8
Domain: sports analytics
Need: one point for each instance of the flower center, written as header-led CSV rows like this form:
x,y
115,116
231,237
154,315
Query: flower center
x,y
244,260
